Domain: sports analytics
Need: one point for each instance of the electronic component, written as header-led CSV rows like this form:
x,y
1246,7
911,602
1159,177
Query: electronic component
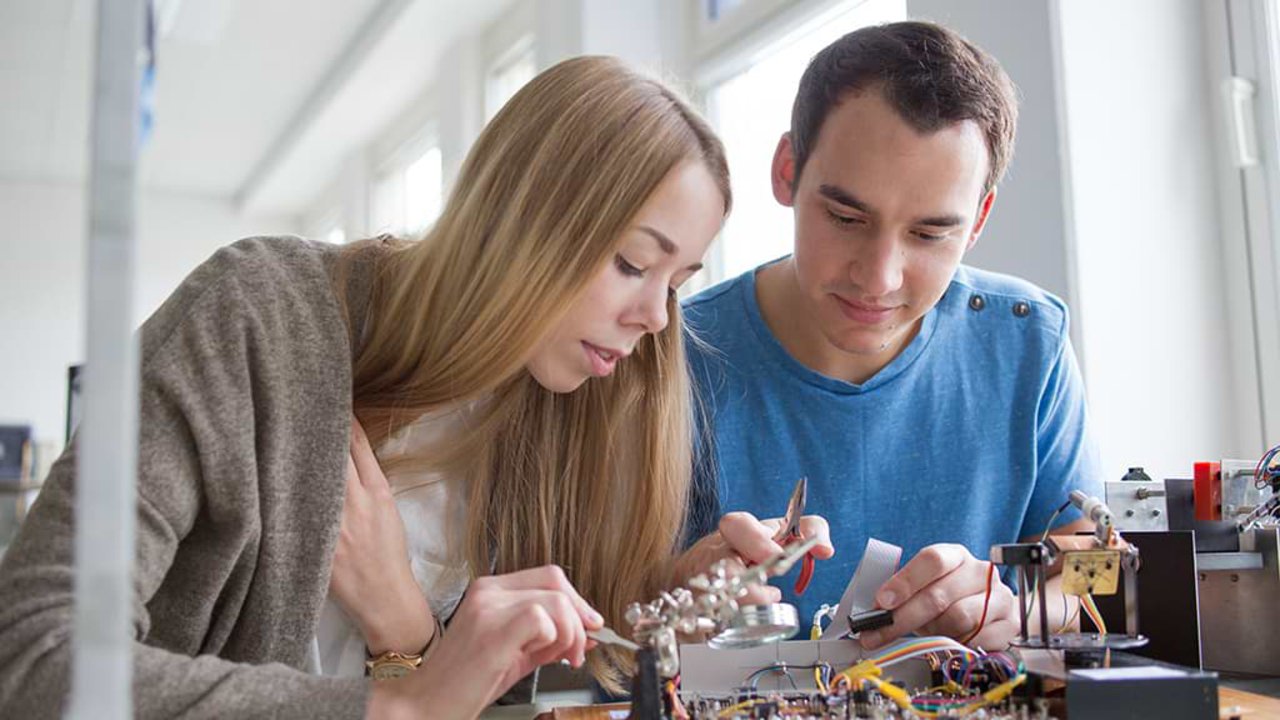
x,y
869,620
879,562
832,676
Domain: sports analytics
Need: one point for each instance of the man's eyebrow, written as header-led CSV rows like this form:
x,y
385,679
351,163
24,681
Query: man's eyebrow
x,y
665,243
844,197
941,221
847,199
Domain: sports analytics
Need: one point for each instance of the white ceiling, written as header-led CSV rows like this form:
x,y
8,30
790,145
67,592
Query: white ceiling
x,y
244,87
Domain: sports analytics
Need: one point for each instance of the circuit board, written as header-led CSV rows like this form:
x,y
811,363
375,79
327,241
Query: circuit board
x,y
857,704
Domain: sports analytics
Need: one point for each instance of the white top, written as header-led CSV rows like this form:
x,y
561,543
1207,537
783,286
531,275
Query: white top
x,y
434,514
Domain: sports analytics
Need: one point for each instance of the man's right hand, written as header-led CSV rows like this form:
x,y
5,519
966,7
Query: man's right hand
x,y
741,539
506,626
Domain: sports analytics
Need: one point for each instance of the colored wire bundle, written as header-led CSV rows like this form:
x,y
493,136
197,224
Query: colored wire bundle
x,y
915,647
1267,470
958,670
1091,609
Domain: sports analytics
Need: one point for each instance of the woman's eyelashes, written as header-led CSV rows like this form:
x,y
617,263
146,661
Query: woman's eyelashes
x,y
626,268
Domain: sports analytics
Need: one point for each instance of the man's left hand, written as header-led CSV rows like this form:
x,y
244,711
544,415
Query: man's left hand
x,y
942,591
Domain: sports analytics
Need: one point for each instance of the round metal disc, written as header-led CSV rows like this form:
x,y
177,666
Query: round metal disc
x,y
1083,641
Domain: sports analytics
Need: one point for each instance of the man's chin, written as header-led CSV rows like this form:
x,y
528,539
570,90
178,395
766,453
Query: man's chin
x,y
864,348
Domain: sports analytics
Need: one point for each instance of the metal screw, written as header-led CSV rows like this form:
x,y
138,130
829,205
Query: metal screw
x,y
1203,577
1235,577
1128,513
1155,513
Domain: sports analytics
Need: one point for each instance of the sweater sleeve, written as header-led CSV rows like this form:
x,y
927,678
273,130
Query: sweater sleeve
x,y
37,575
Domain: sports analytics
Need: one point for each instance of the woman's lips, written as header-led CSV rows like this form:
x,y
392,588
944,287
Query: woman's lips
x,y
602,360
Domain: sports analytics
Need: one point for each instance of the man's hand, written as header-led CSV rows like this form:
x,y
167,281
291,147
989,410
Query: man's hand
x,y
942,591
741,539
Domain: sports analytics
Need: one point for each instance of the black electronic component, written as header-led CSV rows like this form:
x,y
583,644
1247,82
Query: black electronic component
x,y
1166,691
647,702
1136,474
869,620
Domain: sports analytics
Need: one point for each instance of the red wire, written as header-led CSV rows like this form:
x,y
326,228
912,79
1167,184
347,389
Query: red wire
x,y
986,603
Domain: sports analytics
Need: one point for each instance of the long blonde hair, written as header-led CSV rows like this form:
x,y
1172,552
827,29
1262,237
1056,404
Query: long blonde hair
x,y
596,480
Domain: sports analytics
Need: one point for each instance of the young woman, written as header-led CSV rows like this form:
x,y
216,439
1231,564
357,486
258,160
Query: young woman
x,y
521,372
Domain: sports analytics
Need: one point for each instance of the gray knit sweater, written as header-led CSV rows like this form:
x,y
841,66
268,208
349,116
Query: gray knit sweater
x,y
245,407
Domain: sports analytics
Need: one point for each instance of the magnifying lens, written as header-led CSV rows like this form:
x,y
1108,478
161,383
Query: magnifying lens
x,y
757,625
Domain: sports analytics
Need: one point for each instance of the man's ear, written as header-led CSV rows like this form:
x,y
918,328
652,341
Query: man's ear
x,y
984,212
783,171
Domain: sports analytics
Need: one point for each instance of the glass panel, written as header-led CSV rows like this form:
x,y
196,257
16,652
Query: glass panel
x,y
423,190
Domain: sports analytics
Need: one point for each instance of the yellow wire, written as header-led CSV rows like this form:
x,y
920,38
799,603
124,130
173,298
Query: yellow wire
x,y
903,700
815,633
861,671
729,711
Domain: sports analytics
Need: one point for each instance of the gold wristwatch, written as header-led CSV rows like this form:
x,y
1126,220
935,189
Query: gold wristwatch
x,y
391,664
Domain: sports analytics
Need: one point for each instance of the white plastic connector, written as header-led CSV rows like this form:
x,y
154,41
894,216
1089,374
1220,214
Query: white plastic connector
x,y
1093,508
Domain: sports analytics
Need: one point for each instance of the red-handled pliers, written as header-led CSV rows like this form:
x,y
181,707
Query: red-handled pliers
x,y
790,531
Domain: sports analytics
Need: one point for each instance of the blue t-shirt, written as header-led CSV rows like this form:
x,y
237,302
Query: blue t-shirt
x,y
974,434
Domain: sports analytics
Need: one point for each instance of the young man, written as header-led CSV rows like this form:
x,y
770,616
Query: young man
x,y
929,404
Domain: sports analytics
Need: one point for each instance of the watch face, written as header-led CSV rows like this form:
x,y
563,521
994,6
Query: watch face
x,y
389,671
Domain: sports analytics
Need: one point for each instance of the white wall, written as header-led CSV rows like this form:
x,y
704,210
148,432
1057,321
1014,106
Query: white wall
x,y
42,282
1138,109
1027,234
1110,203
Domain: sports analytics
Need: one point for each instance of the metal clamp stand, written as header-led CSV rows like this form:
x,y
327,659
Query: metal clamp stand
x,y
711,606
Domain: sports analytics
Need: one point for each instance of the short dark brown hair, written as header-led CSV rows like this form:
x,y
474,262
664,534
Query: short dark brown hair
x,y
930,75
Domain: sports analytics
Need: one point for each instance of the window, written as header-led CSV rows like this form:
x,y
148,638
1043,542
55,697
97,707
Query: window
x,y
510,73
424,189
335,235
327,226
408,196
751,109
1247,65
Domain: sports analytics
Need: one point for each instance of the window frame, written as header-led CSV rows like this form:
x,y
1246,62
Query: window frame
x,y
727,47
1244,72
392,169
519,50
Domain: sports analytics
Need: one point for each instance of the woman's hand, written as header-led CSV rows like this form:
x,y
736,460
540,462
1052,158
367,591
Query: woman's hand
x,y
741,538
372,579
506,626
